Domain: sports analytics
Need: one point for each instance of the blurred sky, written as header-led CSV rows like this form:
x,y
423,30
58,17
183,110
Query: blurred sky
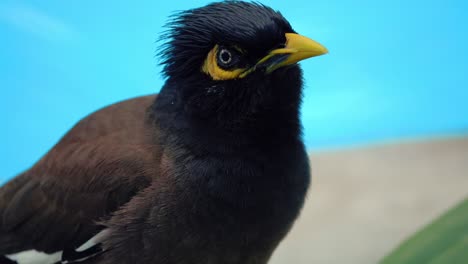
x,y
396,69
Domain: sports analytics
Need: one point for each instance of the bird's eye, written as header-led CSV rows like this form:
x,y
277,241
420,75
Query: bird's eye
x,y
227,58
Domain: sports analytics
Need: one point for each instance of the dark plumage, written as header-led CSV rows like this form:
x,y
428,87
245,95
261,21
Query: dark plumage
x,y
212,170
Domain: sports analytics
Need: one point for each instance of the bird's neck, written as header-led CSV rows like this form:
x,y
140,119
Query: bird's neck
x,y
264,133
264,124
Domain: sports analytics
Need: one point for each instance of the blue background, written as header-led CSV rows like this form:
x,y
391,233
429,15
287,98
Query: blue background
x,y
396,69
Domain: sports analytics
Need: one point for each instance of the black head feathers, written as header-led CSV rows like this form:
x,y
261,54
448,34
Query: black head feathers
x,y
234,62
192,34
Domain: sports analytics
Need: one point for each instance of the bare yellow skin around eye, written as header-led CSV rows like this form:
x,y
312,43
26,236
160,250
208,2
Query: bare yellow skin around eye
x,y
210,67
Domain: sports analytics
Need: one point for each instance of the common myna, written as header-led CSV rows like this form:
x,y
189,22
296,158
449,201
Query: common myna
x,y
212,170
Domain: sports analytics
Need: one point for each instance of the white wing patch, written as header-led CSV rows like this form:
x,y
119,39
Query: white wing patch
x,y
35,257
93,241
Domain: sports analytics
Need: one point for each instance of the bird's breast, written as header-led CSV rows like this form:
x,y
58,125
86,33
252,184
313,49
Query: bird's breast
x,y
254,196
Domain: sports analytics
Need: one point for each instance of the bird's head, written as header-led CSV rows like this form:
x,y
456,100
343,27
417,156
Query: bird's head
x,y
231,59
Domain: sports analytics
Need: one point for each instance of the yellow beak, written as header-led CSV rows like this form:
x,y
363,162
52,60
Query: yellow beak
x,y
297,48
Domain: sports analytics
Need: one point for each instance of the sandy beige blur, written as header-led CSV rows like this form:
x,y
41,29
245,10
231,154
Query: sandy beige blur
x,y
365,201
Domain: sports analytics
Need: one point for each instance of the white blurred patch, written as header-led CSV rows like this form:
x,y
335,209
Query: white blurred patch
x,y
35,257
93,241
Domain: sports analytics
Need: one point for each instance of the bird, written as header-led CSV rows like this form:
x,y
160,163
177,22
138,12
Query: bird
x,y
211,170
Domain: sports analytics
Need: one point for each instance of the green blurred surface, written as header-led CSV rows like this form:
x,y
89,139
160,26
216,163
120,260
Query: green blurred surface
x,y
445,241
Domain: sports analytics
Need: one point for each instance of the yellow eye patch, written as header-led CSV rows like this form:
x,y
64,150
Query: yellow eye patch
x,y
210,67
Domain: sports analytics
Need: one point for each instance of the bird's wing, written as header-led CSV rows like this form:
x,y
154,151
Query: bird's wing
x,y
97,167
